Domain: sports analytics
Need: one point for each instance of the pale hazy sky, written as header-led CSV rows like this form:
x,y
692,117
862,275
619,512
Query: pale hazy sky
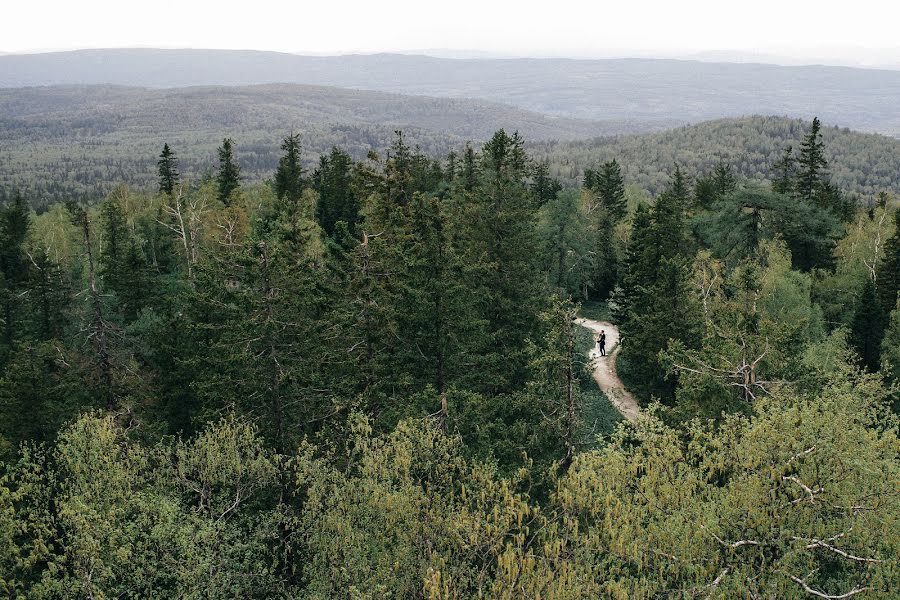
x,y
858,31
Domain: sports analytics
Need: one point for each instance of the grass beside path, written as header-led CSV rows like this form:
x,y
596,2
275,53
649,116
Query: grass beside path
x,y
600,417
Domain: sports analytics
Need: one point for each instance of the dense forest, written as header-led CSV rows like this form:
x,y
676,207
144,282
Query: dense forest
x,y
363,377
82,141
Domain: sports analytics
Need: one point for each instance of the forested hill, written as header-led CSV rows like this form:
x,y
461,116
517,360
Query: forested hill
x,y
860,163
85,139
642,89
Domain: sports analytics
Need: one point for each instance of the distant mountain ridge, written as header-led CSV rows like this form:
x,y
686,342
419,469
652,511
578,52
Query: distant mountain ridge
x,y
637,89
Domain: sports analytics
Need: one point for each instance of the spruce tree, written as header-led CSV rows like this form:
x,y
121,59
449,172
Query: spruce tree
x,y
289,177
337,199
495,225
15,223
868,326
888,271
811,164
544,187
50,296
167,167
610,186
784,172
724,180
228,177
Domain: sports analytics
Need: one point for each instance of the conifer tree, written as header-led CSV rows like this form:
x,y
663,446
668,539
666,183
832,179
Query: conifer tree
x,y
228,178
337,198
868,326
811,164
15,223
544,187
50,295
724,180
784,172
888,270
167,167
500,218
289,177
610,187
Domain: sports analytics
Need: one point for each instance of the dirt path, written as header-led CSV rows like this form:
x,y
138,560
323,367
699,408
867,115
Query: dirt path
x,y
604,369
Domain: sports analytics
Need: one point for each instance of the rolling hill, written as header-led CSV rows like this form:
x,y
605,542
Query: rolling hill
x,y
56,142
644,90
861,164
62,140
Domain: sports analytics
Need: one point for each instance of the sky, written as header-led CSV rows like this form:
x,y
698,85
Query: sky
x,y
861,32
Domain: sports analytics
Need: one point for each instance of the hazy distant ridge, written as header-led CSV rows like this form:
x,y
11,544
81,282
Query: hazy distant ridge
x,y
641,89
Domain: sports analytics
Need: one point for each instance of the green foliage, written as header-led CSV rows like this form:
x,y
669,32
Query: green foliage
x,y
868,326
289,180
228,177
371,384
337,199
167,167
740,221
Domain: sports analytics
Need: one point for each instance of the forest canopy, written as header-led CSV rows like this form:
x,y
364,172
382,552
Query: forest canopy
x,y
367,377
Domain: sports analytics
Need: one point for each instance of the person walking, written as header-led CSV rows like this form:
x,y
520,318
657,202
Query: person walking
x,y
601,343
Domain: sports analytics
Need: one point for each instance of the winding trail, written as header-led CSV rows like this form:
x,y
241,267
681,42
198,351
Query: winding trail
x,y
604,369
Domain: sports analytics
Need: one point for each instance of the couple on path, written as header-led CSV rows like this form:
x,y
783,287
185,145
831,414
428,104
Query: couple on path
x,y
601,343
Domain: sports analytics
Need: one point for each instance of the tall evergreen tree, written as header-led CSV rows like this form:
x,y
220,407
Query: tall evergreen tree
x,y
869,322
15,223
610,187
724,180
495,224
337,198
888,270
544,187
167,168
228,177
811,164
784,172
289,177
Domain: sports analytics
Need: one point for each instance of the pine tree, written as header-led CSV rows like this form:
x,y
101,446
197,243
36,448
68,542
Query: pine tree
x,y
634,267
229,174
50,296
167,167
495,226
811,165
868,326
15,223
289,177
724,180
544,187
784,172
679,189
605,267
337,199
610,187
888,271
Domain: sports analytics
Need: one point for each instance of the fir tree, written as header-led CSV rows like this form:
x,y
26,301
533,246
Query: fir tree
x,y
888,271
610,187
724,180
228,177
784,172
543,186
167,167
15,223
337,199
868,326
289,177
811,165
